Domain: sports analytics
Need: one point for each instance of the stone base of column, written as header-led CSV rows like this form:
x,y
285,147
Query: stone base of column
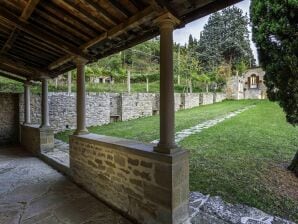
x,y
35,139
81,132
166,149
45,127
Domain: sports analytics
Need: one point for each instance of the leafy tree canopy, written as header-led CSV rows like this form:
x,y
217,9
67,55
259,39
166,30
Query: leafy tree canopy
x,y
275,31
225,38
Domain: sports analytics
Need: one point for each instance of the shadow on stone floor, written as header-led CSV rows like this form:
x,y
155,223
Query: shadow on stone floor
x,y
31,192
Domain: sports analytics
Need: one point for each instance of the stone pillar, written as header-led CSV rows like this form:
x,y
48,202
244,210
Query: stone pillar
x,y
27,103
45,121
81,97
167,105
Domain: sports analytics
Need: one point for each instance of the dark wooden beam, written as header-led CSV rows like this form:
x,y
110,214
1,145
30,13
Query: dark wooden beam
x,y
133,21
12,76
110,18
40,33
31,5
167,5
207,10
22,68
116,4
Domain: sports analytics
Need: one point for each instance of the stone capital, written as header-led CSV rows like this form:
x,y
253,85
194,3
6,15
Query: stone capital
x,y
80,61
27,83
167,20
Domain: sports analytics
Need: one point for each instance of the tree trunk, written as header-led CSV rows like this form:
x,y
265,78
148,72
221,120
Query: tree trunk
x,y
294,165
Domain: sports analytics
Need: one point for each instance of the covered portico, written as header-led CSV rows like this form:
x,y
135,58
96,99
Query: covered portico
x,y
43,39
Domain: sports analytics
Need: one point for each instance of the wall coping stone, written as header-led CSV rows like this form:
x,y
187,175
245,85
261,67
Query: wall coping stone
x,y
134,147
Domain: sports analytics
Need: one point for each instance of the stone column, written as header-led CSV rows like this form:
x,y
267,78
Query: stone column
x,y
45,121
167,105
81,97
27,103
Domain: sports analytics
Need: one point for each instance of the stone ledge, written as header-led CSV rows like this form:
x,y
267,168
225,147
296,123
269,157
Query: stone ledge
x,y
134,147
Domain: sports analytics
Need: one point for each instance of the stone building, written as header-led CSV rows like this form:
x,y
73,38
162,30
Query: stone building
x,y
248,86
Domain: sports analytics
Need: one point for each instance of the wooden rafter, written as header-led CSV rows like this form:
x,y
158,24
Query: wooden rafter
x,y
40,33
21,68
31,5
133,21
11,76
116,4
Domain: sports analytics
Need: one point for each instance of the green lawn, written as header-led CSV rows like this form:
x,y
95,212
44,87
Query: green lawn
x,y
242,159
147,129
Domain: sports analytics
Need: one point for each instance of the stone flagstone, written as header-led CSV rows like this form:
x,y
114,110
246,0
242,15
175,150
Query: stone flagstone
x,y
179,136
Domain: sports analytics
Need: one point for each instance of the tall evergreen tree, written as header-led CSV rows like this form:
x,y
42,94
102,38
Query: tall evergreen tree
x,y
275,30
225,39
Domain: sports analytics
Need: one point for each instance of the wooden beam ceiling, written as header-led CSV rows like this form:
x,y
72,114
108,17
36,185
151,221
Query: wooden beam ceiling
x,y
11,76
30,7
40,33
133,21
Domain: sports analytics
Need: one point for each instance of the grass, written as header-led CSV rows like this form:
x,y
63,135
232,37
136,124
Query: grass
x,y
242,159
146,129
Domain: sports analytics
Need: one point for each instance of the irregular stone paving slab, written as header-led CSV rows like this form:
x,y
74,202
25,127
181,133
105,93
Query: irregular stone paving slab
x,y
204,209
179,136
60,153
31,192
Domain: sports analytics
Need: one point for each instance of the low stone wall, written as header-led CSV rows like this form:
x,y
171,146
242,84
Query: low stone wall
x,y
206,98
9,118
135,105
103,108
147,186
219,97
190,100
35,139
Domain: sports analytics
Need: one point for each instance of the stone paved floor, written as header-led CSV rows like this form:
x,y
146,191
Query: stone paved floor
x,y
60,153
179,136
31,192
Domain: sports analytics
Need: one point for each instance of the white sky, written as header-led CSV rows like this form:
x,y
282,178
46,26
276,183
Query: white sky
x,y
194,28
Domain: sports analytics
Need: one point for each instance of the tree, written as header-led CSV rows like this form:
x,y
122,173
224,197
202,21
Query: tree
x,y
275,32
225,39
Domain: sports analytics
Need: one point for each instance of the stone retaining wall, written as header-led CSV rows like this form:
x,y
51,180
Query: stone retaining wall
x,y
206,98
9,118
103,108
147,186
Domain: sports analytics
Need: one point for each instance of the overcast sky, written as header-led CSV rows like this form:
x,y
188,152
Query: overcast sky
x,y
194,28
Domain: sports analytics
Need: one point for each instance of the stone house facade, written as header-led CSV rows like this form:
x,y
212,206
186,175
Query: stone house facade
x,y
248,86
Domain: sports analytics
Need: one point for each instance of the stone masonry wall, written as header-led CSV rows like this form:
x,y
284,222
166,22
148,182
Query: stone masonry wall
x,y
135,105
149,187
62,110
102,107
190,100
206,98
9,119
219,97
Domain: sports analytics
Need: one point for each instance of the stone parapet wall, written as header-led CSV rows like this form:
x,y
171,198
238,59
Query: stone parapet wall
x,y
147,186
9,118
35,139
103,108
190,100
135,105
206,98
219,97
